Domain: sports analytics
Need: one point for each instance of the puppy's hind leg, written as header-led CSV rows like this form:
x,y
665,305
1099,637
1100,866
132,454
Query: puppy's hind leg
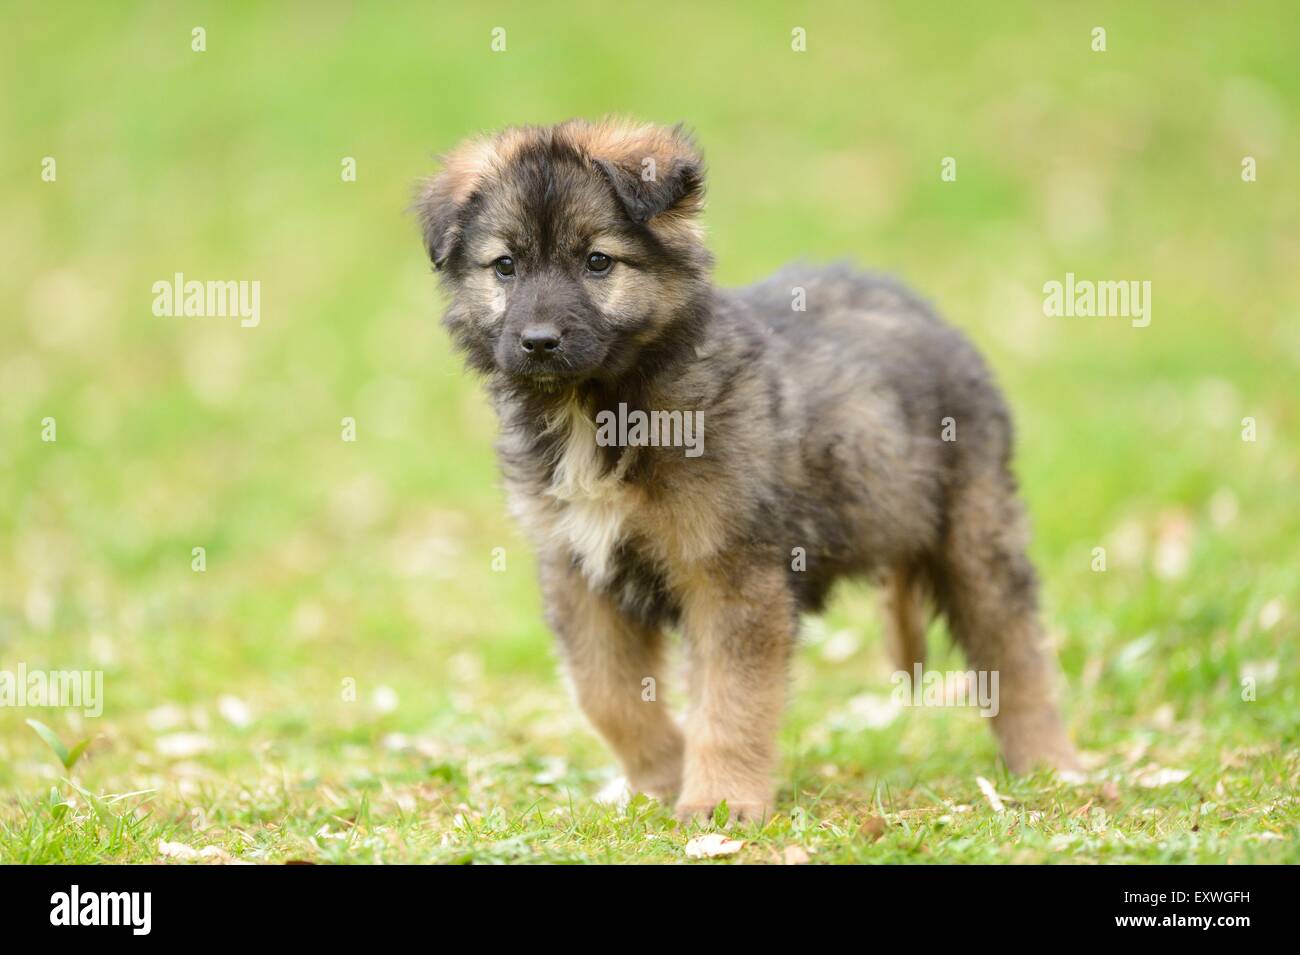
x,y
905,616
987,588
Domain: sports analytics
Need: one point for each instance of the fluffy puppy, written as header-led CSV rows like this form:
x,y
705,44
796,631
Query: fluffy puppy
x,y
846,430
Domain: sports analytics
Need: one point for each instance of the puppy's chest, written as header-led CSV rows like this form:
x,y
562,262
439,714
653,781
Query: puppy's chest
x,y
612,516
597,520
573,500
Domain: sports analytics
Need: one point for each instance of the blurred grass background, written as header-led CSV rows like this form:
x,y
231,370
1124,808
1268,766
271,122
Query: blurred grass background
x,y
371,561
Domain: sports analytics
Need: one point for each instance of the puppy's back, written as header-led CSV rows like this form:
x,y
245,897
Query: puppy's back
x,y
848,334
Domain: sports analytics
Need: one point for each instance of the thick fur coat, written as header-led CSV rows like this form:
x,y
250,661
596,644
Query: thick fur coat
x,y
847,430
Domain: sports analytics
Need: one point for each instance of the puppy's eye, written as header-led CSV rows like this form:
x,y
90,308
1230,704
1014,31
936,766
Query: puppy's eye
x,y
599,262
504,266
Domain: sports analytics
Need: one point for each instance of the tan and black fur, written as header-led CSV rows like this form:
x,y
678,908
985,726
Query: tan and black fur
x,y
822,437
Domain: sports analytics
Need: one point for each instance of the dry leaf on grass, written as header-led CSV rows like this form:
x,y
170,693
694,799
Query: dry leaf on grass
x,y
183,853
1156,776
873,827
712,844
177,850
991,794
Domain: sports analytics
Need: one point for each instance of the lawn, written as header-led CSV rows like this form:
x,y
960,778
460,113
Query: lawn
x,y
341,674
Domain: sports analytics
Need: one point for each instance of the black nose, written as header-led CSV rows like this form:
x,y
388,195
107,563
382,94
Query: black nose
x,y
539,342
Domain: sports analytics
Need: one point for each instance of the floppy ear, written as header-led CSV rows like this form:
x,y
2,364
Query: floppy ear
x,y
655,171
438,212
444,195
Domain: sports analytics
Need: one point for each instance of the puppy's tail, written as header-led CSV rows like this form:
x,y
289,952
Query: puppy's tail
x,y
906,616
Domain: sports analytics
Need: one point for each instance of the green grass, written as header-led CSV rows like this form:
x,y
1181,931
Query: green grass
x,y
370,561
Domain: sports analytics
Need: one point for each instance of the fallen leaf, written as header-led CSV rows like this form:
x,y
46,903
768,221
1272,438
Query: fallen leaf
x,y
873,827
177,850
712,844
991,794
1155,777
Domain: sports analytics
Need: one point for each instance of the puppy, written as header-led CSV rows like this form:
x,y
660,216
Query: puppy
x,y
845,430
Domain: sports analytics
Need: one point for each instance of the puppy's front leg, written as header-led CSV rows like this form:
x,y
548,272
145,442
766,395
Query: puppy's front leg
x,y
609,659
740,629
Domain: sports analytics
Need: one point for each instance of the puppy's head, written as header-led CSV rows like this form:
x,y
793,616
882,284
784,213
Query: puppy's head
x,y
571,253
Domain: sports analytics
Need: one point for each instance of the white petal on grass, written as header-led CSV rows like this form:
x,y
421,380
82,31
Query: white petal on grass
x,y
1133,651
710,845
234,711
866,711
841,646
991,794
1157,776
397,742
384,699
1270,614
554,768
165,717
182,745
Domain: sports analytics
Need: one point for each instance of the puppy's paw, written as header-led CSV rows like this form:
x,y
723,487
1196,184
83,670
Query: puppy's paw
x,y
1037,743
742,811
661,786
1057,755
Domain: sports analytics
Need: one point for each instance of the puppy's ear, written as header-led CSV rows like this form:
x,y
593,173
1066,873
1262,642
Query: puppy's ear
x,y
655,171
443,196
